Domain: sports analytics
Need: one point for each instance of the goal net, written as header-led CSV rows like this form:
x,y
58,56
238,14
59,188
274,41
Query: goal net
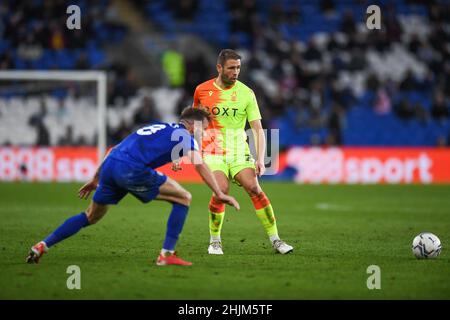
x,y
43,116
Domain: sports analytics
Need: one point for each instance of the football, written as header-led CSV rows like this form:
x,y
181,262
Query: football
x,y
426,246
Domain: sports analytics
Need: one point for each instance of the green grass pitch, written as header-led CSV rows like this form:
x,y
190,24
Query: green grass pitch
x,y
337,231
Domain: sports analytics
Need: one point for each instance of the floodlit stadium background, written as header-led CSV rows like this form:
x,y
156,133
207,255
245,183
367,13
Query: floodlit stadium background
x,y
352,105
320,75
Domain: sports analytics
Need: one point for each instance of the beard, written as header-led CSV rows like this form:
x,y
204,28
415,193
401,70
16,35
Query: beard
x,y
227,81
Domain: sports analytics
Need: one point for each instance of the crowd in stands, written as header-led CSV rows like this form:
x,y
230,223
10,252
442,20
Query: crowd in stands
x,y
34,35
322,77
319,74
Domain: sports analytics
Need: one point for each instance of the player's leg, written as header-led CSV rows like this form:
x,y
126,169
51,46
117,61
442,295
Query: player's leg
x,y
217,214
69,227
180,199
108,192
96,211
173,192
264,211
148,185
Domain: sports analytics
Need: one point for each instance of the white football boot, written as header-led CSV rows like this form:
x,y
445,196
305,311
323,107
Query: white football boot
x,y
282,247
215,247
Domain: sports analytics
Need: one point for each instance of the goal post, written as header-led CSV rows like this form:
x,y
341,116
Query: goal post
x,y
49,75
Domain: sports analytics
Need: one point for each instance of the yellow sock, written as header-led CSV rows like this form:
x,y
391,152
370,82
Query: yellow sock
x,y
216,215
265,214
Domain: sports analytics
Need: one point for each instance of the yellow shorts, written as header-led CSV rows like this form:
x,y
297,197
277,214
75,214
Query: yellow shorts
x,y
229,165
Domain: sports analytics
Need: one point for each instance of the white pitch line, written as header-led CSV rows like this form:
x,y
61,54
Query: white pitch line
x,y
338,207
332,207
17,208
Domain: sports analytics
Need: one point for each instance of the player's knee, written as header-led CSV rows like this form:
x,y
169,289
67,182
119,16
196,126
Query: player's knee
x,y
186,198
225,189
92,220
92,217
94,214
253,190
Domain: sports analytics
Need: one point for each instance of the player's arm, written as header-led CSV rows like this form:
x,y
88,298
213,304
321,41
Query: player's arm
x,y
260,143
91,185
210,180
254,119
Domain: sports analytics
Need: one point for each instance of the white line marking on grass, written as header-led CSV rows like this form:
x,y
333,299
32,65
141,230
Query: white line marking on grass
x,y
338,207
24,208
332,207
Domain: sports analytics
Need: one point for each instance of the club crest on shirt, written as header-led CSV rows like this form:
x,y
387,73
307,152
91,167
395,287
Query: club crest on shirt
x,y
233,96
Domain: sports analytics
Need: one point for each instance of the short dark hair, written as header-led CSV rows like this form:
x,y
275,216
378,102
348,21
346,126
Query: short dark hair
x,y
198,113
227,54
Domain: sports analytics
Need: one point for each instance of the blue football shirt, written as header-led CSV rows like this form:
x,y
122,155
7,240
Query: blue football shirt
x,y
155,145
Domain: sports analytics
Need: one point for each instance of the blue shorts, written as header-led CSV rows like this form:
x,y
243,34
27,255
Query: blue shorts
x,y
117,178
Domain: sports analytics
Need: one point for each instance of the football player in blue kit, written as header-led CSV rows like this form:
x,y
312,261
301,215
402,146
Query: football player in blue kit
x,y
130,168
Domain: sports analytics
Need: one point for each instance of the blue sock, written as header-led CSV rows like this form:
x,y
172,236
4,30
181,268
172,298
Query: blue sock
x,y
175,225
67,229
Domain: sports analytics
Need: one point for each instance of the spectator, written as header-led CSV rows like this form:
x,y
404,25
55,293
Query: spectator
x,y
120,133
68,138
393,27
41,114
57,38
358,60
62,112
147,113
327,7
122,83
82,141
372,82
294,16
312,52
37,121
30,50
6,61
421,113
78,38
440,110
43,136
196,70
414,44
316,120
302,117
316,96
82,62
382,102
335,125
174,67
404,110
185,101
276,15
348,25
242,12
184,10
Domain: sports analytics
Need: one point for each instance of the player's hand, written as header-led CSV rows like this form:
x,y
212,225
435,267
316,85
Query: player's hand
x,y
229,200
176,166
86,190
260,168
